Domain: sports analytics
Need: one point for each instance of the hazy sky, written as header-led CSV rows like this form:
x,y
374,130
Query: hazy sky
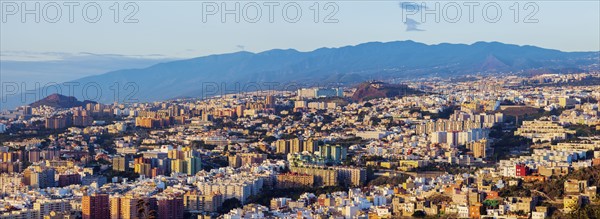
x,y
177,29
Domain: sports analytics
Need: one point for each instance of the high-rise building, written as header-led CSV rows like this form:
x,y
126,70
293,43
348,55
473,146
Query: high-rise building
x,y
320,92
45,206
240,188
143,169
235,160
68,179
115,207
329,92
242,159
333,153
95,206
322,176
34,155
239,110
11,184
39,177
350,176
123,207
120,163
306,93
56,122
12,156
479,148
51,153
11,167
153,122
194,165
195,201
82,120
175,154
333,176
294,180
540,131
282,146
179,166
270,101
27,110
310,145
452,138
566,101
170,208
296,145
521,170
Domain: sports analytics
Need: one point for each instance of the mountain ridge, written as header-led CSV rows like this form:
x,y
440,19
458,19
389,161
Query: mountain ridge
x,y
324,66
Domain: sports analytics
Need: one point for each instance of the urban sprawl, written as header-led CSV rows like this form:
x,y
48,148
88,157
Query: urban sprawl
x,y
489,146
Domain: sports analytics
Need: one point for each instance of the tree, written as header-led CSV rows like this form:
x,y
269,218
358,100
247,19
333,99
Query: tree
x,y
230,204
586,211
439,198
419,214
141,208
144,210
202,145
491,203
152,214
269,139
514,191
385,180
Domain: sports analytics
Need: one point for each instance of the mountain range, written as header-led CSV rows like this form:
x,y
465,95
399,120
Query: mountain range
x,y
246,71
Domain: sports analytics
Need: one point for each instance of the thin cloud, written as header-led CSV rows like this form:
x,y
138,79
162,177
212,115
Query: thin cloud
x,y
411,6
412,25
13,55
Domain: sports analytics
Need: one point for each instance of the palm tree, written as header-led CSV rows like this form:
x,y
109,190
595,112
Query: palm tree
x,y
152,214
142,206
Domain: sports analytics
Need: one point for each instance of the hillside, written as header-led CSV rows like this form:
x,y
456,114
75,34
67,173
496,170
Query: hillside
x,y
373,90
60,101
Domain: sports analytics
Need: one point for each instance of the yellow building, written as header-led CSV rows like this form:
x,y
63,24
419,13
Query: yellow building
x,y
178,166
571,202
293,180
410,164
388,165
310,145
196,201
475,107
575,187
479,148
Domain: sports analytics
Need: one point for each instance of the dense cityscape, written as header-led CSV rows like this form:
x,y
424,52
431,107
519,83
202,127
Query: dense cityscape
x,y
479,146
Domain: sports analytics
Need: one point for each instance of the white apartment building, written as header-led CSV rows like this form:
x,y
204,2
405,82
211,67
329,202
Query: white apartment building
x,y
233,188
543,131
45,206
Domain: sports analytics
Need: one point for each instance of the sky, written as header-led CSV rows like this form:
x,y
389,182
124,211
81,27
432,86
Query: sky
x,y
184,29
46,41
